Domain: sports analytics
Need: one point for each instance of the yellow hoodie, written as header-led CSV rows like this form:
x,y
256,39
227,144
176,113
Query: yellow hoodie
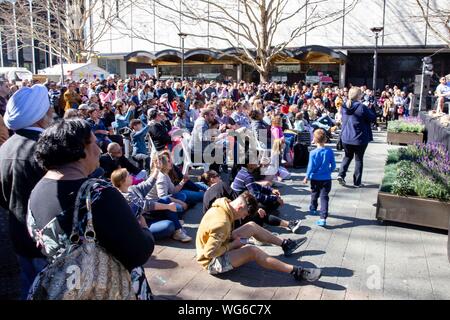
x,y
214,232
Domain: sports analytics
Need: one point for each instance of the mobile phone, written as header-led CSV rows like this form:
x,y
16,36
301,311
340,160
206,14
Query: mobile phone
x,y
244,240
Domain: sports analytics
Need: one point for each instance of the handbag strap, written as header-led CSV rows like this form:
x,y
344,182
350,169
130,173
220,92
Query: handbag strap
x,y
89,233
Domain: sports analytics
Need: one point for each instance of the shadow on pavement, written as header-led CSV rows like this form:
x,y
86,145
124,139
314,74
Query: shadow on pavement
x,y
160,263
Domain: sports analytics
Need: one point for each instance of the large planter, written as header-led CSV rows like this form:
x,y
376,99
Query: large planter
x,y
404,138
413,210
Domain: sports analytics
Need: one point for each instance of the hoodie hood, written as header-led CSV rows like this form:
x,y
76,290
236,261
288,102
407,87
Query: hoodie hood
x,y
224,204
351,110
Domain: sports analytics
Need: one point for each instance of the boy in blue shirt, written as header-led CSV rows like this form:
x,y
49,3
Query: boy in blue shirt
x,y
320,166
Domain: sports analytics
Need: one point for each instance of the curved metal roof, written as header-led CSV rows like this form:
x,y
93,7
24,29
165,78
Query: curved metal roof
x,y
168,53
214,54
302,53
140,53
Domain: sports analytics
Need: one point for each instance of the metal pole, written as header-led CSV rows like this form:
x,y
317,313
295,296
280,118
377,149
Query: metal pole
x,y
33,55
91,29
421,86
60,48
15,34
182,58
67,28
343,23
49,35
1,48
375,57
154,25
131,34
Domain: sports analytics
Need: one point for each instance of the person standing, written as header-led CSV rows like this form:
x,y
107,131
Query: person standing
x,y
320,166
4,93
356,134
28,113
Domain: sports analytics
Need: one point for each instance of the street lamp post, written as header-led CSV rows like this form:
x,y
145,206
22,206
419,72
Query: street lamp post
x,y
33,57
182,36
50,55
1,48
15,31
376,31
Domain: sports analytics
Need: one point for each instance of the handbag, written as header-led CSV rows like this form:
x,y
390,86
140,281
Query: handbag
x,y
84,270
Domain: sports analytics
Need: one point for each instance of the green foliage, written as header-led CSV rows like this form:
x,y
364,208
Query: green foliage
x,y
403,126
405,175
425,187
390,173
405,172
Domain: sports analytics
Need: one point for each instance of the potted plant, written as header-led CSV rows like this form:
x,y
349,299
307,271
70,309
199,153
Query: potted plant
x,y
416,186
405,131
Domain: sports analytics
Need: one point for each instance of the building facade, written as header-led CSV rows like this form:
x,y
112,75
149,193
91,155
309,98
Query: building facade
x,y
145,37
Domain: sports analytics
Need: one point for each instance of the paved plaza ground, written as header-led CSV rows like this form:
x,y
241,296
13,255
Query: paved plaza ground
x,y
360,258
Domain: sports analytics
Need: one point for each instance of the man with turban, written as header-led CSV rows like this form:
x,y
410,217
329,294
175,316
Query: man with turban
x,y
28,113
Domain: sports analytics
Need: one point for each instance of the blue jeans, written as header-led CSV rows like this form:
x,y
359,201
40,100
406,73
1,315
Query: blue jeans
x,y
178,196
162,229
29,269
193,197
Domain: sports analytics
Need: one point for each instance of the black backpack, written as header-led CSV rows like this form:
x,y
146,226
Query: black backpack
x,y
301,155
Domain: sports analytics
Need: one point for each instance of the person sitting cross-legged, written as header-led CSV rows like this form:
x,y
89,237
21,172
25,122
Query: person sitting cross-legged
x,y
220,249
161,218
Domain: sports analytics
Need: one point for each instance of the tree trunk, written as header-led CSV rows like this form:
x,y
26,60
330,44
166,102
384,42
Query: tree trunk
x,y
264,76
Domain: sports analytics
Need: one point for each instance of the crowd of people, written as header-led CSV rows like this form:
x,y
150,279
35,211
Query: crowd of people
x,y
139,135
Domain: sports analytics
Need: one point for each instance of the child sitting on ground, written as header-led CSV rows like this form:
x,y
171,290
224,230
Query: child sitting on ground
x,y
321,165
162,218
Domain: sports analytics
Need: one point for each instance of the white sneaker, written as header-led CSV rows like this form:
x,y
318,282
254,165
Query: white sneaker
x,y
181,235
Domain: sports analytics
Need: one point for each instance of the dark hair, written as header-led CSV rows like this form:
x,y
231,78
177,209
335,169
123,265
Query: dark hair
x,y
135,122
251,202
62,143
207,176
255,114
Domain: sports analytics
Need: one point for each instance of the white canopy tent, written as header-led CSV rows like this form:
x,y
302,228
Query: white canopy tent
x,y
75,71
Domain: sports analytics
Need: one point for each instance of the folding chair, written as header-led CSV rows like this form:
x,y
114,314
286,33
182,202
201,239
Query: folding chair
x,y
187,155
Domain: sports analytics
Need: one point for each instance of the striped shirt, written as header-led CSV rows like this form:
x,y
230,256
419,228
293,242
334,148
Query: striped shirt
x,y
245,181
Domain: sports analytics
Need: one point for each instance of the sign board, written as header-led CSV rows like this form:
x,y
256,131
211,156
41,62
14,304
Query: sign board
x,y
312,79
149,71
228,67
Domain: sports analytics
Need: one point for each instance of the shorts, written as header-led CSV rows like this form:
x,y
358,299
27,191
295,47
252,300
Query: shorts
x,y
220,264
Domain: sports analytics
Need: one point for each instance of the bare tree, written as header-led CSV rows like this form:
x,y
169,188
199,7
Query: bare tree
x,y
69,19
251,27
437,19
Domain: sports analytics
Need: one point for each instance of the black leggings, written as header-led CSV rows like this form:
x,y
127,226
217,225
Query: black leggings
x,y
269,219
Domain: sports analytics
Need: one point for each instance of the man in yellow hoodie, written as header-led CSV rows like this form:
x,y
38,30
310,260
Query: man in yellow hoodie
x,y
220,249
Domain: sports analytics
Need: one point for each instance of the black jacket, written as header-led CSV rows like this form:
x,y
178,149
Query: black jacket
x,y
109,165
19,173
159,135
217,191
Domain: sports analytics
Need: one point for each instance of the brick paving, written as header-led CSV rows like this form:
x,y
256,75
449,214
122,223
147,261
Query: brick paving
x,y
360,258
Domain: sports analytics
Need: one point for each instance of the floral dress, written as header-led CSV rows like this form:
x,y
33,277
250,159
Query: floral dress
x,y
53,242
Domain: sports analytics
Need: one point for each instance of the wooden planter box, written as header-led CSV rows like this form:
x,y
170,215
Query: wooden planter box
x,y
404,138
413,210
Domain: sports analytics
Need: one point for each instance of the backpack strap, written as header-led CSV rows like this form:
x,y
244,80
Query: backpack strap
x,y
83,193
